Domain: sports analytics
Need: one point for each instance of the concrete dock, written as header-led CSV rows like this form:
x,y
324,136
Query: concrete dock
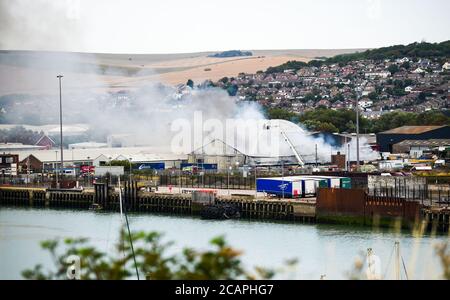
x,y
331,206
175,203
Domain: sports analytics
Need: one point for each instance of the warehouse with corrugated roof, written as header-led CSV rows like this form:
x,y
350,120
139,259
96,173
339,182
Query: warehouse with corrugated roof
x,y
387,139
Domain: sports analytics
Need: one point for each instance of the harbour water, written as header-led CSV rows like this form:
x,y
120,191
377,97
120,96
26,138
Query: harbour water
x,y
329,250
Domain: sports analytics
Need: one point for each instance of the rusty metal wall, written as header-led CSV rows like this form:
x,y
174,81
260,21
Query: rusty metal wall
x,y
356,202
392,207
340,201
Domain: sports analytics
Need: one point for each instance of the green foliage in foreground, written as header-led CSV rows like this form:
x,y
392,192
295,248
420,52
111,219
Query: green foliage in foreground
x,y
153,261
443,251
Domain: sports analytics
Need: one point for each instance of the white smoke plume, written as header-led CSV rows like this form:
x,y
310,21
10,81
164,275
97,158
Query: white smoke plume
x,y
148,112
96,92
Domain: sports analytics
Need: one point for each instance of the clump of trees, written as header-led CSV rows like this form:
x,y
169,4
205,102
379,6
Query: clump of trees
x,y
292,64
414,50
399,118
323,119
231,53
19,134
279,113
190,83
329,120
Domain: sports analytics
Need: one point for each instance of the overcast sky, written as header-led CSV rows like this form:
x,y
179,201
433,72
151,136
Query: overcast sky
x,y
176,26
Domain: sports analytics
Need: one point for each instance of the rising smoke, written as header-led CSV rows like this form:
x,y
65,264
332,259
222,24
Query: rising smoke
x,y
92,95
53,24
149,112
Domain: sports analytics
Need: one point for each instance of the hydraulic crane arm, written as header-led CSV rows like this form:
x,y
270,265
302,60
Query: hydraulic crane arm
x,y
297,155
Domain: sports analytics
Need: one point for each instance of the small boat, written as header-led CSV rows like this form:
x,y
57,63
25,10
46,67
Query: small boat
x,y
95,206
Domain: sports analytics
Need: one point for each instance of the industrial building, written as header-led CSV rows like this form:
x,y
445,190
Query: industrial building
x,y
8,164
226,156
31,164
387,139
87,145
416,148
13,147
50,159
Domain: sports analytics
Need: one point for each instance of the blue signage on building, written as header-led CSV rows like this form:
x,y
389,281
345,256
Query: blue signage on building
x,y
149,166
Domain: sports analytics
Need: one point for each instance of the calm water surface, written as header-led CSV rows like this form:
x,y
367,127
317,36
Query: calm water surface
x,y
320,249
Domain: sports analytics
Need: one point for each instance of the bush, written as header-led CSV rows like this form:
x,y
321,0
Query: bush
x,y
152,261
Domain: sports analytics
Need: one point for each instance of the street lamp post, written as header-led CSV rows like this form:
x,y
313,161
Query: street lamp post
x,y
358,96
28,169
88,170
357,133
56,170
317,160
348,161
347,158
60,124
110,169
228,180
131,173
282,176
237,171
256,181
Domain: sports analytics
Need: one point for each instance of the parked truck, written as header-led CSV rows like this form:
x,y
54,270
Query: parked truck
x,y
289,187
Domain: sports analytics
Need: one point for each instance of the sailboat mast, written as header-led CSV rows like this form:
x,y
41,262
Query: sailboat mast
x,y
397,260
120,201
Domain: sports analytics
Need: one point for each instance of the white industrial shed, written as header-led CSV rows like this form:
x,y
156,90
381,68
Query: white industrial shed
x,y
98,156
87,145
220,153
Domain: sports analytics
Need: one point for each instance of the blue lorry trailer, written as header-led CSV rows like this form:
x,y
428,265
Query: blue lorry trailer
x,y
289,187
331,181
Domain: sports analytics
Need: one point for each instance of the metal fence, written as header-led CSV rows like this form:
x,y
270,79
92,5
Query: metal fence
x,y
432,195
47,182
215,181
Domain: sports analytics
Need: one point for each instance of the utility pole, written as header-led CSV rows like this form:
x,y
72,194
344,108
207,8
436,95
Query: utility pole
x,y
28,169
256,188
348,160
397,260
346,154
357,133
56,170
282,176
131,168
60,124
316,156
88,170
228,179
110,169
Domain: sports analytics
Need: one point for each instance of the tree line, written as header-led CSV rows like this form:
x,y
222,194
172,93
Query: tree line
x,y
329,120
414,50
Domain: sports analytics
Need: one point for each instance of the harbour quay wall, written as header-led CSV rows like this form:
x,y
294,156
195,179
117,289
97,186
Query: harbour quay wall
x,y
332,206
355,206
135,201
